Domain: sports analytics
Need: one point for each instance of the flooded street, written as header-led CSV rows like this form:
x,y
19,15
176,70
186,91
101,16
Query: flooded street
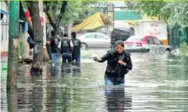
x,y
157,83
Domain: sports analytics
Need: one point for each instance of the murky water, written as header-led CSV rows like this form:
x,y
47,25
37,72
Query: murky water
x,y
157,83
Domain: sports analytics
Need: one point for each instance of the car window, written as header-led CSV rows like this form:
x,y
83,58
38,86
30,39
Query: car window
x,y
100,36
156,40
150,40
90,36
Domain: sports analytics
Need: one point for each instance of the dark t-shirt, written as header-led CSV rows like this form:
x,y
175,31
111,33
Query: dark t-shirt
x,y
66,47
53,46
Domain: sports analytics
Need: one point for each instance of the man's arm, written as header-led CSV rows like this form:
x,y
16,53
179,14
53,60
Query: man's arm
x,y
102,59
80,43
128,65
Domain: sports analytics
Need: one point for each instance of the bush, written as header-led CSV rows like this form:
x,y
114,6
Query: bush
x,y
184,49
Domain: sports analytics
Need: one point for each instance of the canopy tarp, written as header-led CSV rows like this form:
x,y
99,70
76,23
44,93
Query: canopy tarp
x,y
95,21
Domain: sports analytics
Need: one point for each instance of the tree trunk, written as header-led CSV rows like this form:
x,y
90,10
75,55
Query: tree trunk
x,y
12,101
13,46
38,38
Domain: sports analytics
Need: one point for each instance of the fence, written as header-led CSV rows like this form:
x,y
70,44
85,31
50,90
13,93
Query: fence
x,y
177,36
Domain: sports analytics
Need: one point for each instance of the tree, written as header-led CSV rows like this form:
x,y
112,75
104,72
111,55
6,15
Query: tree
x,y
172,12
61,13
38,38
52,8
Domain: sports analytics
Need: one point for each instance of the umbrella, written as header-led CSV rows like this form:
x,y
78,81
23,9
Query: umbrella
x,y
121,33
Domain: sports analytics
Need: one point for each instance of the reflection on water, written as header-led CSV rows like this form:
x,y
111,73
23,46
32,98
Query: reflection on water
x,y
157,83
117,100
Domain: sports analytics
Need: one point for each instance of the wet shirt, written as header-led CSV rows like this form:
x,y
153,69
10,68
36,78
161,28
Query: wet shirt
x,y
76,47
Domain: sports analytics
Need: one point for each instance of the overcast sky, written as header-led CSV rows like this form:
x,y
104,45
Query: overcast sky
x,y
119,3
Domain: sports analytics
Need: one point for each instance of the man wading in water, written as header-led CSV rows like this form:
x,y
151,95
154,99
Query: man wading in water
x,y
118,64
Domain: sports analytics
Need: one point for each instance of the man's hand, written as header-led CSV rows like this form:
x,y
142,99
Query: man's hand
x,y
96,59
122,62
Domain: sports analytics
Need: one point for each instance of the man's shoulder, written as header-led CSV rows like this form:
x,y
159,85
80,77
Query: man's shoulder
x,y
127,53
111,51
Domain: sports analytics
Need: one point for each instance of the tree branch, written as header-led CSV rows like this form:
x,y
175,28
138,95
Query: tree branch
x,y
63,7
46,10
55,25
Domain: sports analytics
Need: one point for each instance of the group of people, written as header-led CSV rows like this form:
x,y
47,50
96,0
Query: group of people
x,y
68,48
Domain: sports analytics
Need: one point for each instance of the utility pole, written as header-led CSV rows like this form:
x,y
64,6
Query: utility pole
x,y
13,45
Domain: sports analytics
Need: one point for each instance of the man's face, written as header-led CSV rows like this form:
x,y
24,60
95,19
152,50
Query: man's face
x,y
119,49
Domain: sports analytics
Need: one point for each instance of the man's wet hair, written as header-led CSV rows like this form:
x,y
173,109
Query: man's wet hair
x,y
119,42
73,34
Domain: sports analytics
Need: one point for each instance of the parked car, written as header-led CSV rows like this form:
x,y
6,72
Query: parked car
x,y
94,40
145,44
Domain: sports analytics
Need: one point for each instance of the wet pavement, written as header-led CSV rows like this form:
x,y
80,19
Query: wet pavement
x,y
157,83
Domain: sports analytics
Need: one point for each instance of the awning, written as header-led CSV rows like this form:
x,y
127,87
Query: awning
x,y
95,21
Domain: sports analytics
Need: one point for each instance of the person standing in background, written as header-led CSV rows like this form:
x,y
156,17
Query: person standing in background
x,y
54,47
31,44
66,49
76,48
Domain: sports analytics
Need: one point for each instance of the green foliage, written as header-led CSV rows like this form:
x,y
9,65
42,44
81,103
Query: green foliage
x,y
75,10
149,8
172,12
184,49
175,13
